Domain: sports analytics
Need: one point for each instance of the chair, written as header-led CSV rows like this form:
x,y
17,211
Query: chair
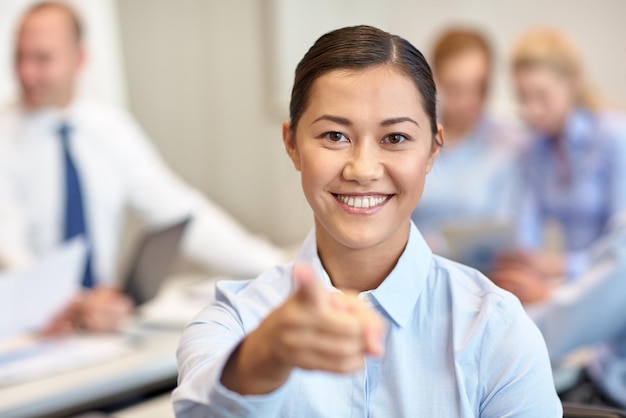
x,y
574,410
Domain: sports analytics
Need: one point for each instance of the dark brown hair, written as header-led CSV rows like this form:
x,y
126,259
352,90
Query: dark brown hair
x,y
360,47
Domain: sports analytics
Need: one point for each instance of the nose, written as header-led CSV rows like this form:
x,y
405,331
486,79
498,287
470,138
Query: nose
x,y
364,164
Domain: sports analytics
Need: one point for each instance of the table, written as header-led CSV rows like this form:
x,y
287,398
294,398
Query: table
x,y
159,407
151,366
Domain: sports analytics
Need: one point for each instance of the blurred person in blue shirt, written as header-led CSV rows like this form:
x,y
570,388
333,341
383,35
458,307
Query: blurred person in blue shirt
x,y
589,311
573,174
473,177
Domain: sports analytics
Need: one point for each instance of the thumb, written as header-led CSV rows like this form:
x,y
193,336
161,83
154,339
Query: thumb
x,y
308,288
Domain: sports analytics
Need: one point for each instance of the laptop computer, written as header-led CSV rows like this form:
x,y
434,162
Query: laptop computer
x,y
477,243
152,262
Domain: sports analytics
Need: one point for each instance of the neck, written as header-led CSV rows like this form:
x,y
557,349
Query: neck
x,y
360,269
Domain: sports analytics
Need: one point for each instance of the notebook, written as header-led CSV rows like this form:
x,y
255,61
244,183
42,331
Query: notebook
x,y
153,261
476,244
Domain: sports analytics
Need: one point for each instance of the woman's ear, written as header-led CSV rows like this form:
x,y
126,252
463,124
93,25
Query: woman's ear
x,y
290,145
438,143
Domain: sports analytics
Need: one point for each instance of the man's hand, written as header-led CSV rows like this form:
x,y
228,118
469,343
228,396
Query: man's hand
x,y
102,309
545,264
315,329
524,283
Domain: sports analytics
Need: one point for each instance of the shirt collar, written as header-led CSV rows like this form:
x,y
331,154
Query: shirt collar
x,y
579,127
308,253
398,293
50,118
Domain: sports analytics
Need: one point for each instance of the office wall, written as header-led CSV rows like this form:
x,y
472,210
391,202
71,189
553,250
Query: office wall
x,y
209,80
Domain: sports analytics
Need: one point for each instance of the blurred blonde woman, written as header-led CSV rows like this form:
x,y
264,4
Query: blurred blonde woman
x,y
471,181
573,174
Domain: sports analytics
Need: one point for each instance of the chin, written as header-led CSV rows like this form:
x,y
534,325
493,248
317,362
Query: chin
x,y
359,237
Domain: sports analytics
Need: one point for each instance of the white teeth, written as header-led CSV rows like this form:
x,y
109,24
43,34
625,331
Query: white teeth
x,y
362,202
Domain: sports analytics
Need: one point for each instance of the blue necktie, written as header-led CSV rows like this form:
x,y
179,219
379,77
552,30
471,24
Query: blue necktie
x,y
74,208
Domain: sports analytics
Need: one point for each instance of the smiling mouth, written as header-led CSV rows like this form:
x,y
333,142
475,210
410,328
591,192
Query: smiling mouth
x,y
362,202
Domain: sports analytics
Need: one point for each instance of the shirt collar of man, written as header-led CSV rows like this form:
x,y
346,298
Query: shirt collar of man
x,y
49,118
398,293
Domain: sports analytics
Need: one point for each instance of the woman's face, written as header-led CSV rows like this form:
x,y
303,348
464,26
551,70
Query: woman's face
x,y
462,82
546,98
363,147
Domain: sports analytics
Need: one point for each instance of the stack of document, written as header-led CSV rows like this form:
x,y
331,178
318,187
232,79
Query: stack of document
x,y
30,298
28,357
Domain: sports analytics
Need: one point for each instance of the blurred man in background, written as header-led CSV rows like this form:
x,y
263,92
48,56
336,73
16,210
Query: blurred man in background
x,y
71,168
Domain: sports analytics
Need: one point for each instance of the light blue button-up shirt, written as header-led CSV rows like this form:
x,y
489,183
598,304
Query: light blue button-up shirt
x,y
581,198
456,346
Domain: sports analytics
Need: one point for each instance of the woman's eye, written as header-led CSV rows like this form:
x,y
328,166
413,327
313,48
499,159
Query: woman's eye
x,y
336,137
394,139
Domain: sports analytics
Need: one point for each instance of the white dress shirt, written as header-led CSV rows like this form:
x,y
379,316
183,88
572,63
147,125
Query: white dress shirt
x,y
456,346
592,310
118,169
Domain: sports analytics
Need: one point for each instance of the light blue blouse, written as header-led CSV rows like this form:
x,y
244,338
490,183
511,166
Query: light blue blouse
x,y
456,346
580,191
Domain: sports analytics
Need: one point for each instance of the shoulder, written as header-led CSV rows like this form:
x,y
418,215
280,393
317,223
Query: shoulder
x,y
467,279
9,125
612,126
483,312
101,114
612,121
112,128
253,299
493,332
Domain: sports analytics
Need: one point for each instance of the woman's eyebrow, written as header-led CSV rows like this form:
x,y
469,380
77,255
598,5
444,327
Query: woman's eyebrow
x,y
346,122
336,119
400,119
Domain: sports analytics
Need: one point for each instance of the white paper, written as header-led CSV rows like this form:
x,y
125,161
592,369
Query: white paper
x,y
30,298
27,357
179,301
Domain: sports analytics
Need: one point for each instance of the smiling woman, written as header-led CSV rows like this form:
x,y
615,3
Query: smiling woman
x,y
364,137
368,322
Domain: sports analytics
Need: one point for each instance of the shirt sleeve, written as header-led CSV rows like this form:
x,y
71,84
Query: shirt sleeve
x,y
206,345
15,251
214,238
514,371
618,168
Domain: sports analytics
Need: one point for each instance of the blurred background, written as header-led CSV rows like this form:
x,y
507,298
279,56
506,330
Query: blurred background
x,y
209,80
